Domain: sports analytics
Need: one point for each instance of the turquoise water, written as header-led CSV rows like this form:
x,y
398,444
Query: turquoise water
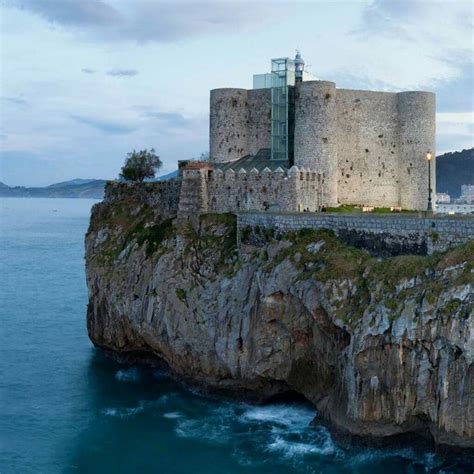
x,y
67,409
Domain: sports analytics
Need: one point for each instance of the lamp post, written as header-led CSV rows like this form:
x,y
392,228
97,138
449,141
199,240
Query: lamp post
x,y
429,157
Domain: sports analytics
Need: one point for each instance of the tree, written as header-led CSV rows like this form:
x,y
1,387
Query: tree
x,y
140,165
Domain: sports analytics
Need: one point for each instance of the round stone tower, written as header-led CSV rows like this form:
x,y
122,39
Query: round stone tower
x,y
416,116
316,133
229,117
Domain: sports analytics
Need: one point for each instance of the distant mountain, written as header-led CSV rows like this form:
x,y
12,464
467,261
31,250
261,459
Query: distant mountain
x,y
171,175
72,182
453,170
76,188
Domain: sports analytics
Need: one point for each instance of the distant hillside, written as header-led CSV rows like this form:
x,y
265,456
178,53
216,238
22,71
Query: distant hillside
x,y
171,175
453,170
76,188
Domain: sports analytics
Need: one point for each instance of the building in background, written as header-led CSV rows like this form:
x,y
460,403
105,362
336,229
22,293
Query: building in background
x,y
467,193
443,198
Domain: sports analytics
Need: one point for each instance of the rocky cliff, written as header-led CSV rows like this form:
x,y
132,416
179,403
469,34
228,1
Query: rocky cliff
x,y
383,347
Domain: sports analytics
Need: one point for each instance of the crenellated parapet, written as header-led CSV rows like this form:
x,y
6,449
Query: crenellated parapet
x,y
278,190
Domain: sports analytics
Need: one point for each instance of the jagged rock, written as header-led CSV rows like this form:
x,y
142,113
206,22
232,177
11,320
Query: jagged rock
x,y
315,247
381,347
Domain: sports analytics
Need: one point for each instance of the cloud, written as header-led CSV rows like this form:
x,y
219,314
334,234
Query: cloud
x,y
71,12
454,131
122,72
422,44
145,20
171,119
108,127
16,101
88,71
456,95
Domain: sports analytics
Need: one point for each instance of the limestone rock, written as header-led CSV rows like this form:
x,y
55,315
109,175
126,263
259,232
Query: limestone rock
x,y
379,354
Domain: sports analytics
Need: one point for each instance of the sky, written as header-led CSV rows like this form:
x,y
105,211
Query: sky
x,y
84,82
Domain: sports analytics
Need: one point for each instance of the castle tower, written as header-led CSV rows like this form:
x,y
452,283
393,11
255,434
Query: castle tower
x,y
229,116
316,128
416,117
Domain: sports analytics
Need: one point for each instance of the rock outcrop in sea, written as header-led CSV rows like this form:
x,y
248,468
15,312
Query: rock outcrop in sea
x,y
383,348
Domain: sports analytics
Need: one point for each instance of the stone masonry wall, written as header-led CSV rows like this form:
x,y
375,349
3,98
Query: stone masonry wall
x,y
240,123
382,234
316,133
260,120
416,120
162,196
368,148
277,190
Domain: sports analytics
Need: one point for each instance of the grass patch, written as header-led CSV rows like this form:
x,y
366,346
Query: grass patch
x,y
451,307
181,294
154,235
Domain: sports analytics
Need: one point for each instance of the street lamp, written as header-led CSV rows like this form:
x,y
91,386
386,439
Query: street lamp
x,y
429,156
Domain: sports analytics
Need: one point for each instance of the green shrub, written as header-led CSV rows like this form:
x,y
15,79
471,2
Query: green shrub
x,y
181,294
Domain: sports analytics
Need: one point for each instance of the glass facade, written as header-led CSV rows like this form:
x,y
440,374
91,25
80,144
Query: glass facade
x,y
282,135
262,81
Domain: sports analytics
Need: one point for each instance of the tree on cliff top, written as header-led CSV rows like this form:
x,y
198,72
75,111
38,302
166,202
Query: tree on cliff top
x,y
140,165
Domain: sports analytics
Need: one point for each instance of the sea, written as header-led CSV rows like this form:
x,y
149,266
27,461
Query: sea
x,y
66,408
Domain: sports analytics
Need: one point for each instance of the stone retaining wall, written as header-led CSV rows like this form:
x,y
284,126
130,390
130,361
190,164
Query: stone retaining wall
x,y
162,196
383,234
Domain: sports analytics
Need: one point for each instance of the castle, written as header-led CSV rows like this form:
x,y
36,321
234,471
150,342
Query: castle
x,y
293,143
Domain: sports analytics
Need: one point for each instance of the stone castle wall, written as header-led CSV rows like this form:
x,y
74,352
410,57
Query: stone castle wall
x,y
240,123
382,234
369,147
316,133
382,140
161,196
205,189
416,119
277,190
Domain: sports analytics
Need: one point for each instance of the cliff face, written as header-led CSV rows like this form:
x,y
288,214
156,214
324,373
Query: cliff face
x,y
381,347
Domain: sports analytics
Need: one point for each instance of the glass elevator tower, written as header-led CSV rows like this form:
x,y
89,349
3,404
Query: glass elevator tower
x,y
283,114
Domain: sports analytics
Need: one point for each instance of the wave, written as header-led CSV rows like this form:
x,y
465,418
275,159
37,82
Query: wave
x,y
122,412
289,416
173,415
293,448
210,432
128,375
277,434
